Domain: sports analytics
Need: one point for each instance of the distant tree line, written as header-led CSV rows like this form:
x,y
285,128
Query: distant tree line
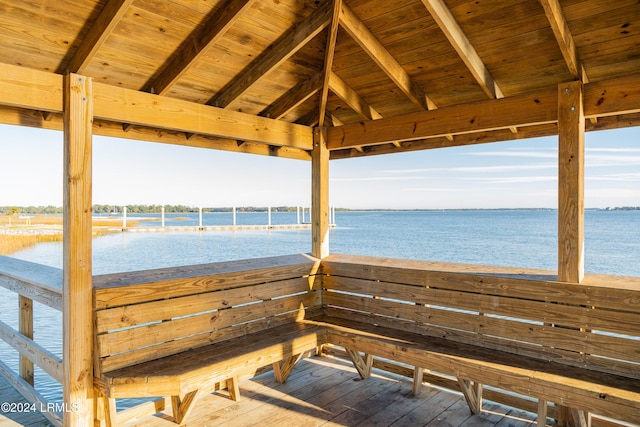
x,y
115,209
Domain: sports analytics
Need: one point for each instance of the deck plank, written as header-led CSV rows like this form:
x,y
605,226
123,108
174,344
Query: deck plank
x,y
327,391
29,419
322,391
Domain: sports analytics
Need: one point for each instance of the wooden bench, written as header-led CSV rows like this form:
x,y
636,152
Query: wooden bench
x,y
175,333
575,345
182,331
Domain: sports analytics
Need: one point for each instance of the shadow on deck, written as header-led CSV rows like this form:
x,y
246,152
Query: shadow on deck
x,y
322,391
326,391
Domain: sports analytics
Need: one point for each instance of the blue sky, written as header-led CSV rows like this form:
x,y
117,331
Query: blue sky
x,y
514,174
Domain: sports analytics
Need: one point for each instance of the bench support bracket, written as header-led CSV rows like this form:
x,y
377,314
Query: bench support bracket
x,y
472,391
282,370
182,406
572,417
363,364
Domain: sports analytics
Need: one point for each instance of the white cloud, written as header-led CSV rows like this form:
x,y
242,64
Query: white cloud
x,y
373,178
527,154
519,179
619,177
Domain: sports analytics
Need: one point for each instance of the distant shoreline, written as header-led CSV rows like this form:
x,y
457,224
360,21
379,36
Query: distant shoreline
x,y
116,211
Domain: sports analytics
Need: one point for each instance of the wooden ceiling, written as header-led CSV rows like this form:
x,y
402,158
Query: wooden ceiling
x,y
382,76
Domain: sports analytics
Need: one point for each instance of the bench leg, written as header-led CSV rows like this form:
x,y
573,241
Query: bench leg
x,y
418,373
182,406
542,413
105,410
282,370
472,391
362,364
234,388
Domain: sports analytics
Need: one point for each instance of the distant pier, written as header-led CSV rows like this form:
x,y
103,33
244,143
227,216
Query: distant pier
x,y
301,223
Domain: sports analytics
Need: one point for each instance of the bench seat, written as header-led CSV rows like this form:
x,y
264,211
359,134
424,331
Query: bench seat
x,y
202,367
603,393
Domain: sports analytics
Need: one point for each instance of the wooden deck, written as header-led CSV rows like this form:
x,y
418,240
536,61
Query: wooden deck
x,y
322,391
31,419
326,391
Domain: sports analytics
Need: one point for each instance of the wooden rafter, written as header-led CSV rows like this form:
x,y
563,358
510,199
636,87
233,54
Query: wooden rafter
x,y
352,99
355,101
328,60
458,39
197,43
565,40
381,56
100,30
293,98
283,49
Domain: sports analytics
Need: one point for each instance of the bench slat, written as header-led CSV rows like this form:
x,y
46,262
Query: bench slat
x,y
112,290
144,313
603,291
607,320
202,367
205,325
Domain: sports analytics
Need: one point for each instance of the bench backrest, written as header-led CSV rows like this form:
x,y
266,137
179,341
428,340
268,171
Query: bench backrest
x,y
146,315
595,324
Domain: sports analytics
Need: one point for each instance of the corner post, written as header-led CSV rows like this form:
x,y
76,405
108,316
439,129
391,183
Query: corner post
x,y
571,127
77,270
320,194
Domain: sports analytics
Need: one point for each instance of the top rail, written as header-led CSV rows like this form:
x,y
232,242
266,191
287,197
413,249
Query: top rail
x,y
38,282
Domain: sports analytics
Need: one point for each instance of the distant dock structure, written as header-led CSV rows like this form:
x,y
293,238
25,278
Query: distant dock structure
x,y
303,221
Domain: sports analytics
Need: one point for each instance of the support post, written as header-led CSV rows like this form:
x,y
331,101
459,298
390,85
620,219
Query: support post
x,y
570,182
162,210
26,329
124,217
200,217
571,127
233,212
77,336
269,216
319,212
298,215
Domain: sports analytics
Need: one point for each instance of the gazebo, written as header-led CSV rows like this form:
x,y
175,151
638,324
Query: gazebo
x,y
318,81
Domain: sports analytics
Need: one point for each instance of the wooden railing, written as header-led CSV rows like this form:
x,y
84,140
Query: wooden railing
x,y
32,282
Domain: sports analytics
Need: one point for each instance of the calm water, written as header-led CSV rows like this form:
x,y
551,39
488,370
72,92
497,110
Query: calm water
x,y
510,238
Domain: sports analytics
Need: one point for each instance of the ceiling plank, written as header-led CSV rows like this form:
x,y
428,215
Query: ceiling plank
x,y
283,49
145,109
328,60
293,98
562,33
196,45
458,39
381,56
100,30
